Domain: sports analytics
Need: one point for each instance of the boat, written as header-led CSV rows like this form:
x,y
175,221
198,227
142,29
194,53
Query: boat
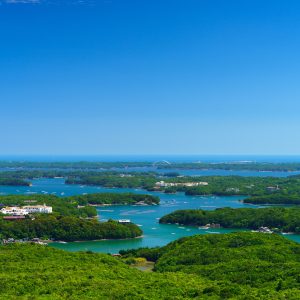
x,y
124,221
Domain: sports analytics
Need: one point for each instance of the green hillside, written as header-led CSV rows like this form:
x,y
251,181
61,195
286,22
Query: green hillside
x,y
39,272
269,263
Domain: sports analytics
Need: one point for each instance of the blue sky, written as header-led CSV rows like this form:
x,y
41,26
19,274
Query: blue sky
x,y
149,77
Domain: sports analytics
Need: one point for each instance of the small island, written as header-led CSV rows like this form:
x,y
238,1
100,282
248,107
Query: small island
x,y
10,181
99,199
169,165
277,219
48,217
256,190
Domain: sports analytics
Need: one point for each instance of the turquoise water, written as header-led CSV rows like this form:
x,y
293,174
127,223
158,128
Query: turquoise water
x,y
146,217
186,172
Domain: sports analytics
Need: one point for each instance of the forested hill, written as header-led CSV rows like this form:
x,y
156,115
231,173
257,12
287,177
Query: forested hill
x,y
237,266
37,272
266,262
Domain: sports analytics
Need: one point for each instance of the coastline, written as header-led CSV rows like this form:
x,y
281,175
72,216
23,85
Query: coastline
x,y
64,242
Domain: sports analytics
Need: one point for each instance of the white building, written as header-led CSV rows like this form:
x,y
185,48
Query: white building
x,y
187,184
25,210
41,209
14,211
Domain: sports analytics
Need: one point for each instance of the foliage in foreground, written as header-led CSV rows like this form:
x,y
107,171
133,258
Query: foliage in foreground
x,y
266,262
37,272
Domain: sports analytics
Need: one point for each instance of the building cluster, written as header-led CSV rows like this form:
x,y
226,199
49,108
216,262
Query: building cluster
x,y
273,188
212,225
263,230
34,241
187,184
234,190
25,210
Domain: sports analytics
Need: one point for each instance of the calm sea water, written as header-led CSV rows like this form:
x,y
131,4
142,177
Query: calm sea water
x,y
186,172
146,217
153,158
195,172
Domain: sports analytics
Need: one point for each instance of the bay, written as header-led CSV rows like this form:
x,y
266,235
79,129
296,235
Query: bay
x,y
146,217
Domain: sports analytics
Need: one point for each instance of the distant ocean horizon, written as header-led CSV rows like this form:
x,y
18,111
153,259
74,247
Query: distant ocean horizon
x,y
153,158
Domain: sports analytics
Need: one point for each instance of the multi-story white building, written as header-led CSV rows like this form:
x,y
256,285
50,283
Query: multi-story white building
x,y
14,211
41,209
187,184
25,210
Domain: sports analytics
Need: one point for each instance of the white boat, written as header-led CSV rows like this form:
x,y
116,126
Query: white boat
x,y
124,221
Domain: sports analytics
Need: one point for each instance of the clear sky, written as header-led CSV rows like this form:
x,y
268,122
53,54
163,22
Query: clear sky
x,y
150,77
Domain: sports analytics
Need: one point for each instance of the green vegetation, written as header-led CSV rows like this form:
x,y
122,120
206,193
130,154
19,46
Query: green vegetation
x,y
78,205
79,165
211,267
260,190
236,166
250,166
277,218
217,185
66,206
69,219
269,263
66,229
239,185
138,180
278,198
118,199
13,181
36,272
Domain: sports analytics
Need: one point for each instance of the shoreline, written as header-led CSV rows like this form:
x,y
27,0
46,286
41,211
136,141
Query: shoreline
x,y
229,228
121,204
64,242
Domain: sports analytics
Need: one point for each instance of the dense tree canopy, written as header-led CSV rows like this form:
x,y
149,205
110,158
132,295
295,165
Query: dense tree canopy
x,y
115,198
283,219
267,262
65,206
67,229
237,267
68,221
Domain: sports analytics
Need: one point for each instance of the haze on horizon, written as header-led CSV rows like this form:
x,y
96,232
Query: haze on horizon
x,y
149,77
